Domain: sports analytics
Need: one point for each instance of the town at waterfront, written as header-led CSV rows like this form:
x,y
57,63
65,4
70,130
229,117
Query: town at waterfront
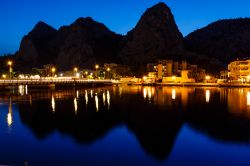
x,y
163,73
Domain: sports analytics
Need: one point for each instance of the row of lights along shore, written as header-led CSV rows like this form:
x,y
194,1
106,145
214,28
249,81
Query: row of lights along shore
x,y
53,70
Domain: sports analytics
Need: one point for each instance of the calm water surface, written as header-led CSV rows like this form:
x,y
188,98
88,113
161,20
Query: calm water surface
x,y
130,125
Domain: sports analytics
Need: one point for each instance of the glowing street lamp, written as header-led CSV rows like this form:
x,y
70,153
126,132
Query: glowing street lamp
x,y
108,70
10,67
207,78
3,76
9,63
97,67
53,70
75,69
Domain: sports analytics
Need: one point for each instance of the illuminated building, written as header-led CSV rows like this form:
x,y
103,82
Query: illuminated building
x,y
239,70
171,71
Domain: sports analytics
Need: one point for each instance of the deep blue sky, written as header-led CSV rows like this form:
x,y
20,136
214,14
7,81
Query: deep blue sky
x,y
18,17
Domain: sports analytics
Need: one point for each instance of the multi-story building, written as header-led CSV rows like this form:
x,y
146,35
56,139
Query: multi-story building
x,y
239,70
171,71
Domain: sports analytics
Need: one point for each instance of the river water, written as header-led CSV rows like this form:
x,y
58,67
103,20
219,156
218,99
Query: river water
x,y
126,125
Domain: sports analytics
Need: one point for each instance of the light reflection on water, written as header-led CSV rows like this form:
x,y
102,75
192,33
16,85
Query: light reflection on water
x,y
53,104
248,98
108,98
154,115
173,94
104,98
86,97
207,96
96,103
238,100
75,105
9,115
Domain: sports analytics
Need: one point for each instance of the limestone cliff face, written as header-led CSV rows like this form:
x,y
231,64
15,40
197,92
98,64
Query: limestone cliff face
x,y
155,36
84,43
35,49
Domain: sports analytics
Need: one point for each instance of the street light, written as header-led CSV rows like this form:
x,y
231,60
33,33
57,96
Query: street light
x,y
3,76
10,67
76,70
53,70
108,70
97,67
207,78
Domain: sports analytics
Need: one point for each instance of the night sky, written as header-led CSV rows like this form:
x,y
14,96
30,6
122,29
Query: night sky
x,y
18,17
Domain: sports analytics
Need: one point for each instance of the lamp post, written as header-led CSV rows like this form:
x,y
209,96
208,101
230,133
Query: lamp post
x,y
53,70
75,71
10,68
108,70
97,67
207,78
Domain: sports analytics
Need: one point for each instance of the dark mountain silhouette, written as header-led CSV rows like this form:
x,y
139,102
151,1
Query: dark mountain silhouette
x,y
155,36
224,40
83,43
35,49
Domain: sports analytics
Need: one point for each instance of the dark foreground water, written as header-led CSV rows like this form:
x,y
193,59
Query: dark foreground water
x,y
126,126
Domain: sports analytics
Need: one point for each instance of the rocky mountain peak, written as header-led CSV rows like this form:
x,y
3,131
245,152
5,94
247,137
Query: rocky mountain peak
x,y
225,40
90,26
41,29
155,36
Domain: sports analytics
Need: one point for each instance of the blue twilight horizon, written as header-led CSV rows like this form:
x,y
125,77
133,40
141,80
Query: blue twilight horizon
x,y
18,17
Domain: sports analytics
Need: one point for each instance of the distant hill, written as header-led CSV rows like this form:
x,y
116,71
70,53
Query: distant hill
x,y
224,40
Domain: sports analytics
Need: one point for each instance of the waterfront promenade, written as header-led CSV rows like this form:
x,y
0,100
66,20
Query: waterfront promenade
x,y
74,82
52,82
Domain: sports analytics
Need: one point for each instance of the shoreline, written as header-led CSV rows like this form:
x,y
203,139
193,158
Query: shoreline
x,y
226,85
61,87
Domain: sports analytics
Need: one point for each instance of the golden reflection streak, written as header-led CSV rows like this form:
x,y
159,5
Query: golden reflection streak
x,y
207,96
248,98
149,93
26,89
86,97
120,91
144,93
91,93
53,104
108,98
104,98
21,90
173,94
77,94
9,115
75,105
96,103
